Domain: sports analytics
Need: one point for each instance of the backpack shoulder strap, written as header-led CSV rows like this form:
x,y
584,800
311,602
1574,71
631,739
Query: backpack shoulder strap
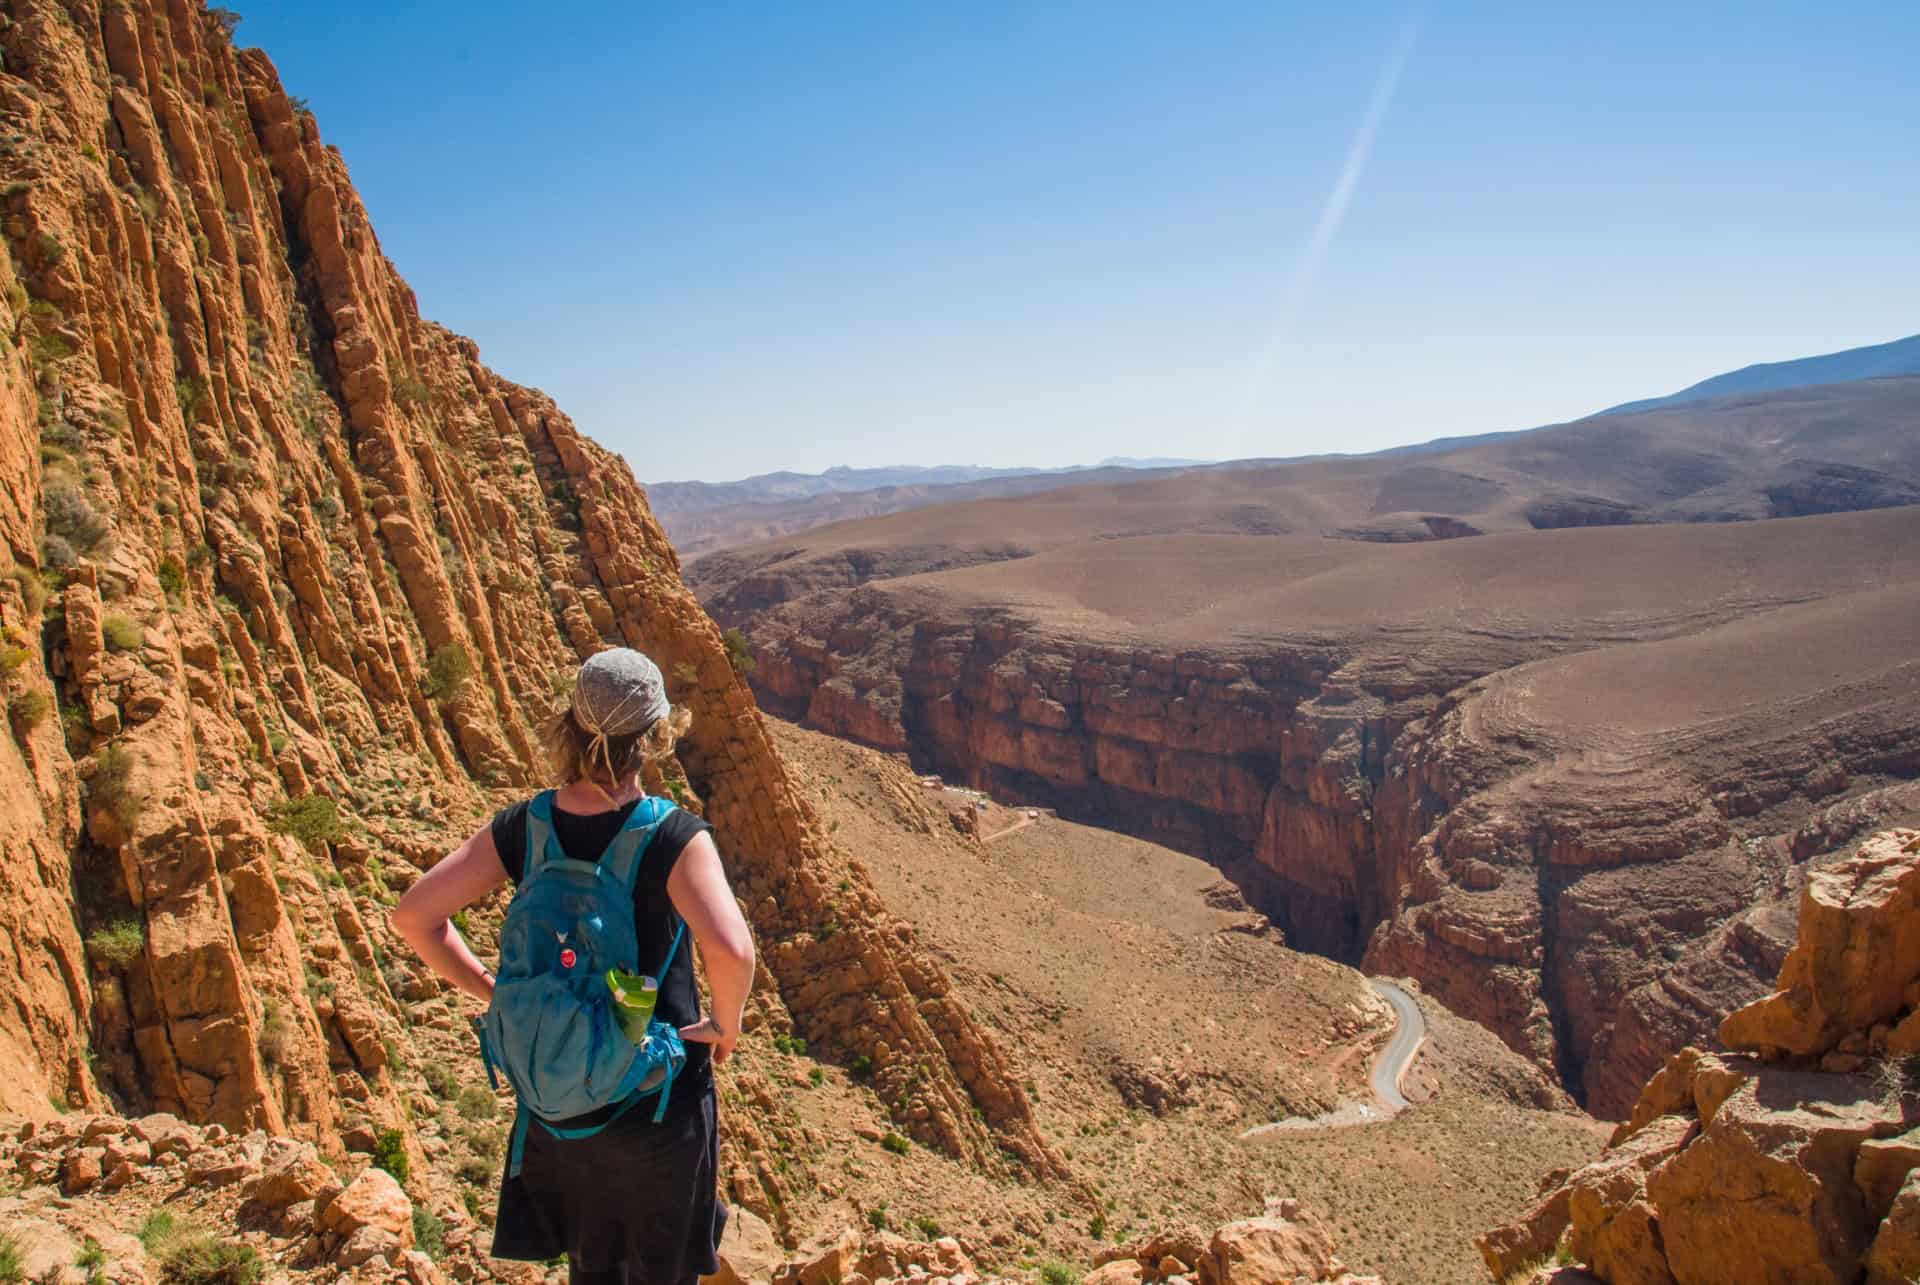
x,y
621,860
543,845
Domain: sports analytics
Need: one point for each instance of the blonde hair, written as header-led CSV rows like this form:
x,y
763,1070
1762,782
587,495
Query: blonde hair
x,y
576,757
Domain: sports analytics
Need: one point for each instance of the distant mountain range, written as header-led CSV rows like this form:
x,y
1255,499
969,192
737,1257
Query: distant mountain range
x,y
696,497
1901,357
701,517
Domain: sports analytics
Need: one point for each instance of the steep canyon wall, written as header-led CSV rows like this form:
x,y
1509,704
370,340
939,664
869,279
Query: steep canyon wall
x,y
1594,890
292,577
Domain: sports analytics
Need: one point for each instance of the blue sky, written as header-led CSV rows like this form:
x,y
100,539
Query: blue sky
x,y
730,238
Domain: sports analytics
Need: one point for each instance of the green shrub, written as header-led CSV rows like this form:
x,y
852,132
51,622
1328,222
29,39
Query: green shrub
x,y
71,515
429,1233
816,1077
190,390
11,1271
1058,1273
861,1067
311,818
91,1258
32,589
928,1227
173,578
198,1257
118,944
739,651
29,708
390,1153
123,633
226,19
895,1143
1097,1229
276,1037
155,1230
409,391
447,671
877,1218
790,1044
475,1103
12,657
475,1172
440,1079
110,787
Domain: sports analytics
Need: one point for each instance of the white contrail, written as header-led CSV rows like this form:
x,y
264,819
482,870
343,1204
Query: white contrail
x,y
1332,214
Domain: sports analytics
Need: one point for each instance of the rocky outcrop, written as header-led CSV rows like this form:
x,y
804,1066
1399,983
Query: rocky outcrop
x,y
1285,1244
1792,1158
1579,815
291,578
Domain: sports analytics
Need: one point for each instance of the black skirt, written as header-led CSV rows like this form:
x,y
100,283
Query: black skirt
x,y
638,1195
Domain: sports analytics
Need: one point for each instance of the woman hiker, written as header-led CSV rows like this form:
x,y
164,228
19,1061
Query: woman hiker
x,y
626,1190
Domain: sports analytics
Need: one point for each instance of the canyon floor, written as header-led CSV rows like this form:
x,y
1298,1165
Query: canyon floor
x,y
1154,1018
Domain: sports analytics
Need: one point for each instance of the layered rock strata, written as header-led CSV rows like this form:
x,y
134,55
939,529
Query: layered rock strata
x,y
292,578
1573,807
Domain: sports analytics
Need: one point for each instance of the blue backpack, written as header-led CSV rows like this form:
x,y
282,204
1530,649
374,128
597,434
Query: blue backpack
x,y
551,1028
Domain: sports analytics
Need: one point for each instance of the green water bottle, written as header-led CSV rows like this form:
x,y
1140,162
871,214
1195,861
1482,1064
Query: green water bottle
x,y
633,1000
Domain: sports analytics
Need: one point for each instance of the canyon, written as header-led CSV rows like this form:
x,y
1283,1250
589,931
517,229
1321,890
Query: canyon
x,y
1542,722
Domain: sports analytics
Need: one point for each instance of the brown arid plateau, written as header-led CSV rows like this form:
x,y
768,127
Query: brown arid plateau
x,y
1795,1156
1567,776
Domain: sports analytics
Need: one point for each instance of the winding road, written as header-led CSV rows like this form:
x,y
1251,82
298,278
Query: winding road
x,y
1391,1067
1389,1071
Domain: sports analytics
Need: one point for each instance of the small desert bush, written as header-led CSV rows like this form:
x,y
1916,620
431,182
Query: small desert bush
x,y
12,657
11,1258
173,578
475,1103
202,1258
1058,1273
29,708
429,1233
110,786
440,1079
311,818
390,1153
276,1037
32,589
447,671
118,944
895,1143
71,515
739,651
123,633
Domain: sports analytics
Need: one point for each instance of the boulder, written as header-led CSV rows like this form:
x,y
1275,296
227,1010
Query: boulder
x,y
370,1217
1767,1191
749,1251
1121,1271
1536,1235
1859,948
1615,1228
1258,1251
1882,1167
1895,1256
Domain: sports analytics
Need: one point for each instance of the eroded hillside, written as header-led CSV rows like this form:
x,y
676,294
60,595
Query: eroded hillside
x,y
292,577
1568,778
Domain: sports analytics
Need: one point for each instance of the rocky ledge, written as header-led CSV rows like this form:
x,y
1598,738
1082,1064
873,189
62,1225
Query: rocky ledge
x,y
1794,1158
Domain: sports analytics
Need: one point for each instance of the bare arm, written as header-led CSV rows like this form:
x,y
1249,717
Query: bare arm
x,y
424,916
698,887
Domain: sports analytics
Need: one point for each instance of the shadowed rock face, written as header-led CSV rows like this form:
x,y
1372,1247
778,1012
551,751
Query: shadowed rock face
x,y
1566,778
274,537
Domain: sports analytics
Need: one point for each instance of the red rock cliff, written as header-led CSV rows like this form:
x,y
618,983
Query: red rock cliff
x,y
292,577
